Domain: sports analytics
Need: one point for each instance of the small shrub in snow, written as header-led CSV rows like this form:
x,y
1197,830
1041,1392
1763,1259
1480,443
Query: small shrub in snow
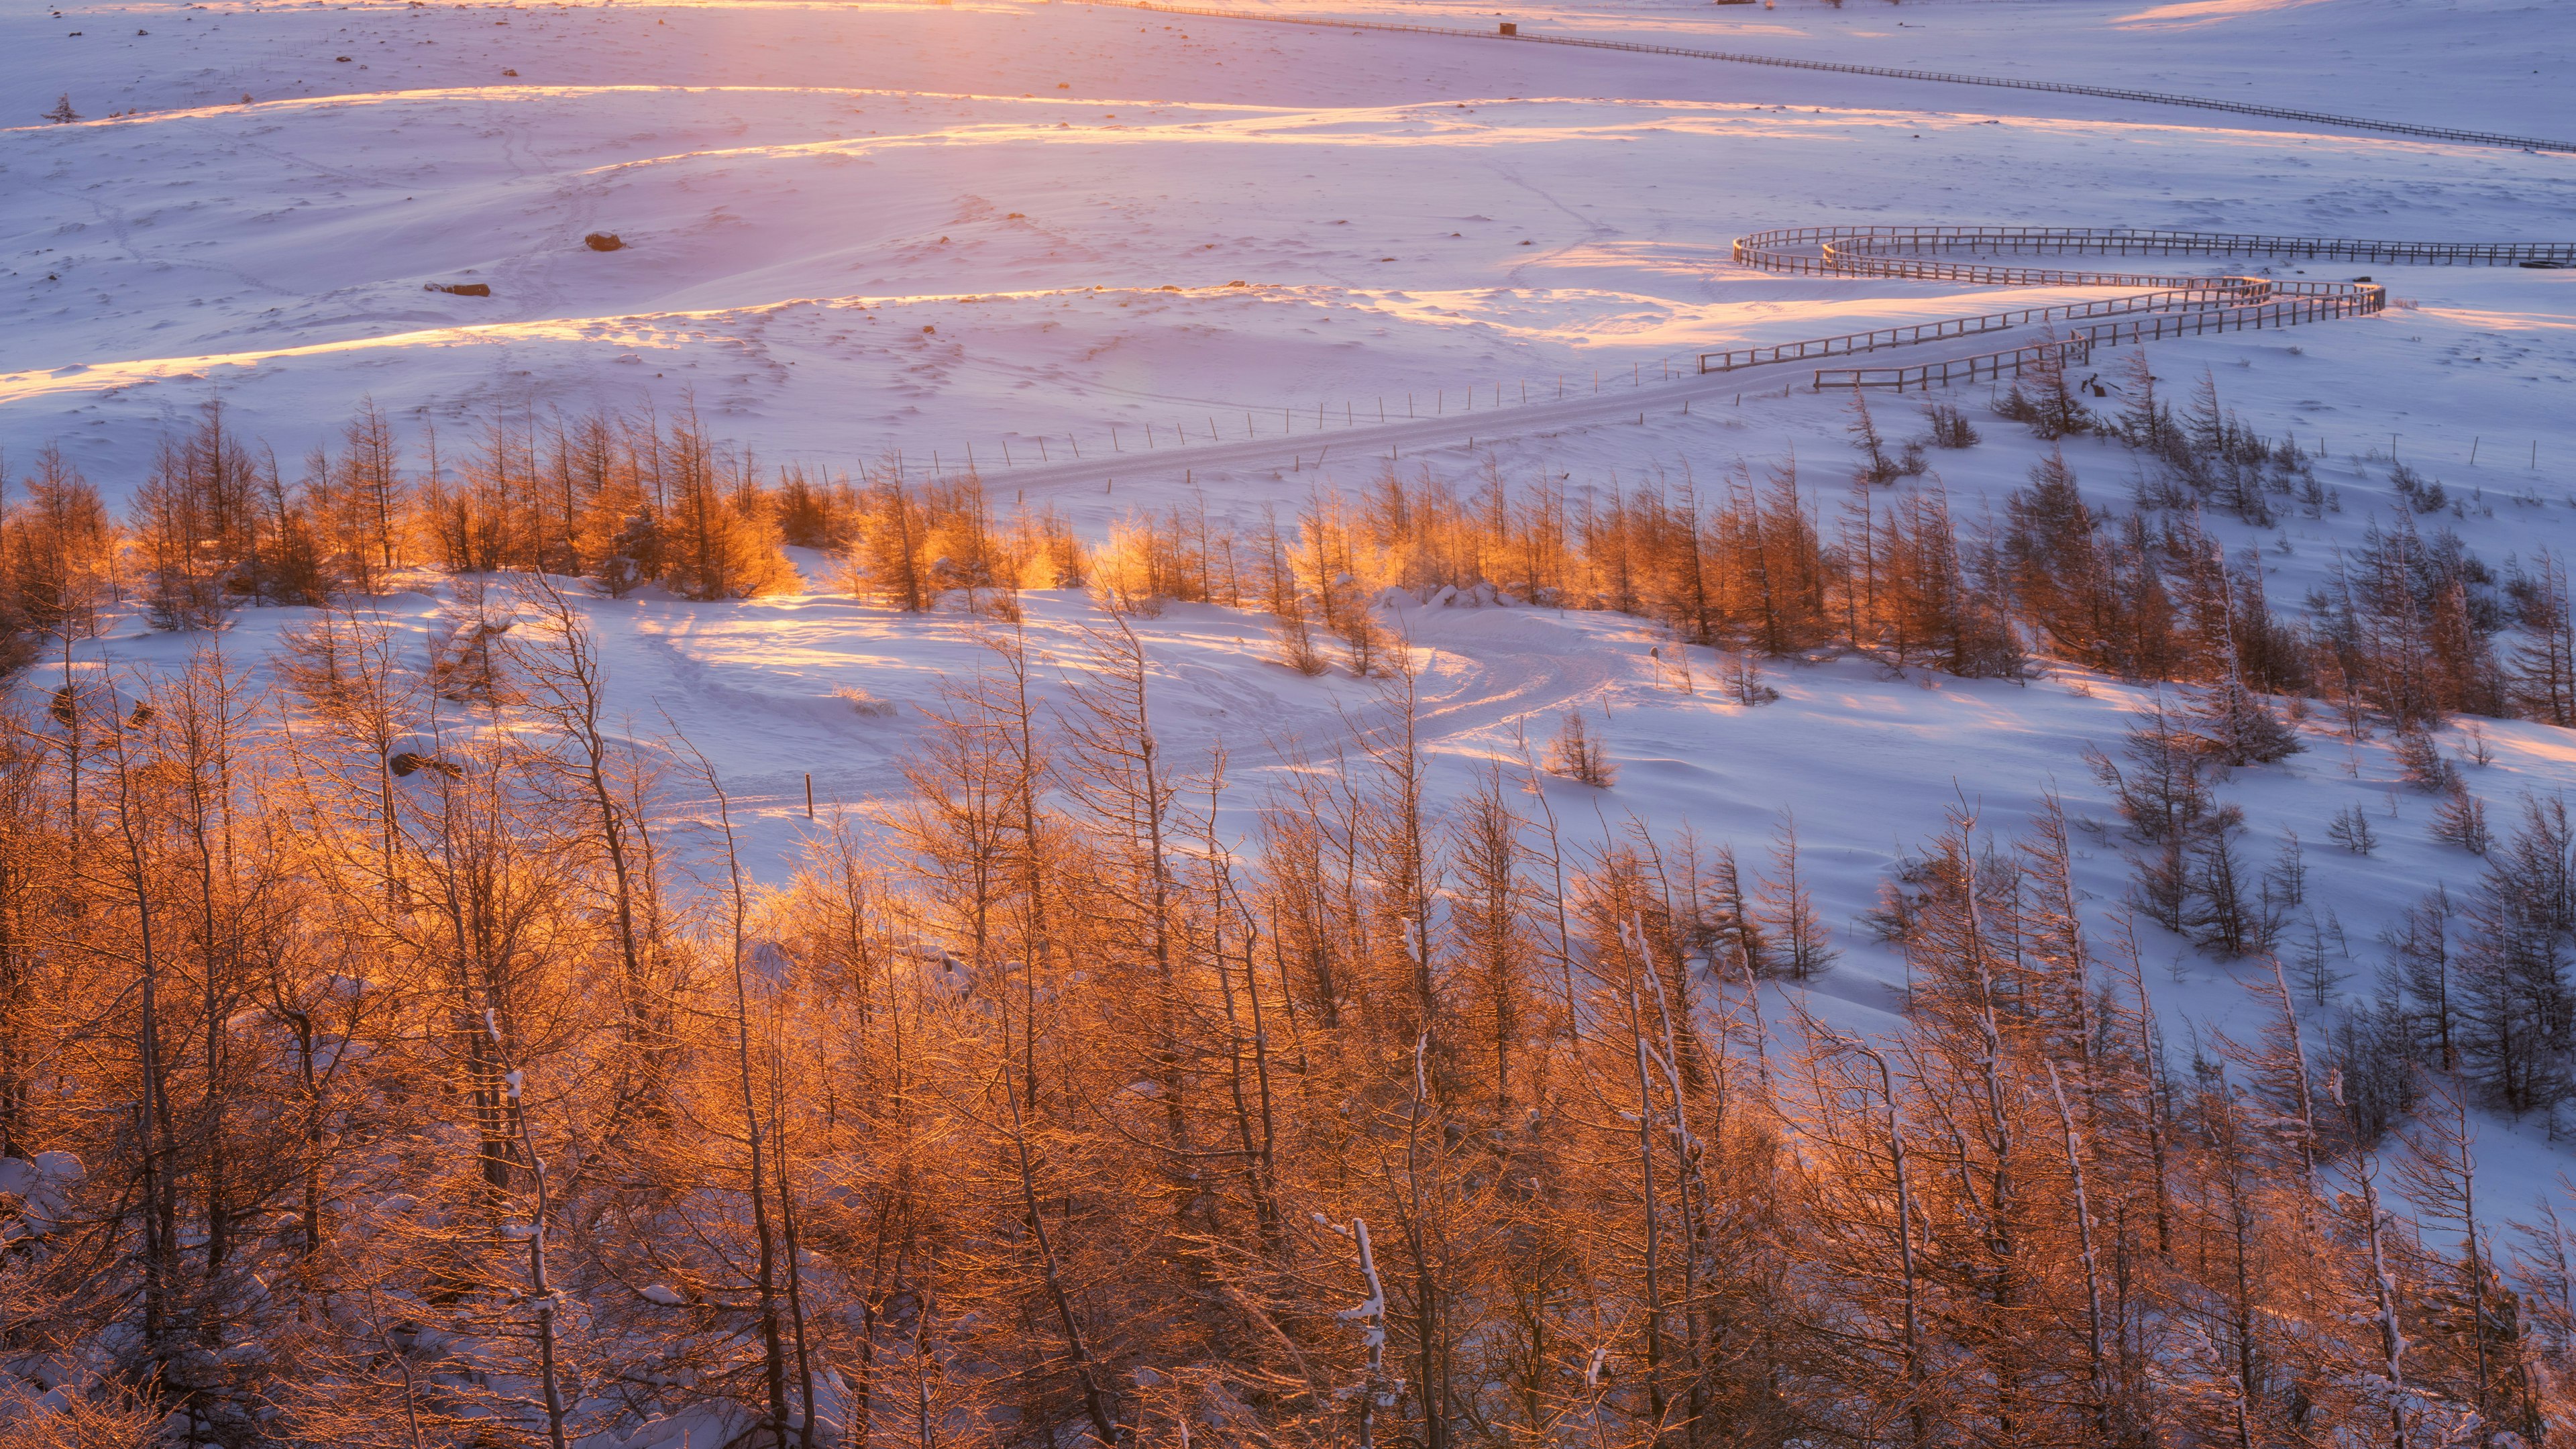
x,y
2164,791
2236,727
2320,948
1950,426
1744,680
1296,634
467,668
2351,830
2223,910
2422,495
1577,754
1787,911
865,703
1364,641
1876,466
2422,761
2286,883
2461,819
2049,407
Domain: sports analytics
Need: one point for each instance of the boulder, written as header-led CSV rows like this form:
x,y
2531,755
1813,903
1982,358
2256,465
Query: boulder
x,y
603,241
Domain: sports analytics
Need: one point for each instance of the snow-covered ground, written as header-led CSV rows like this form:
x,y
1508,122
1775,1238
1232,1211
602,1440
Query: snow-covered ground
x,y
1123,258
1065,192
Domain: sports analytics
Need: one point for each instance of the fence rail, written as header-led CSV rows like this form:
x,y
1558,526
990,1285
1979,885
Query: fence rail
x,y
1867,248
1985,366
2128,241
1879,251
2161,98
1906,336
2077,348
2170,306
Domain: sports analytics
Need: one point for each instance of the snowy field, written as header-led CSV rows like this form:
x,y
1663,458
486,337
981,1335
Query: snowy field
x,y
1123,260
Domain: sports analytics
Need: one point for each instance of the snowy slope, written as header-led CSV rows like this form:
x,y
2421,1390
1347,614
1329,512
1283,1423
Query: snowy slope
x,y
866,231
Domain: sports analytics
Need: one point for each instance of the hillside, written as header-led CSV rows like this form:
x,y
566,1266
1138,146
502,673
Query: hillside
x,y
1135,347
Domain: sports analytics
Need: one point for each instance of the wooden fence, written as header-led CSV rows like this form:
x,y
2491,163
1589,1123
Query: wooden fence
x,y
2077,348
1884,251
2171,298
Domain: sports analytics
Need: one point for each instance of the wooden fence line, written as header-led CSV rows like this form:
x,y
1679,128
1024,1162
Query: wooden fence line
x,y
1876,251
2077,349
2174,307
1904,336
1862,248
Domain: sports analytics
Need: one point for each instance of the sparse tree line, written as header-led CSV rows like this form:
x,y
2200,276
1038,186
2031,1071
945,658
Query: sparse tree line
x,y
398,1056
2413,627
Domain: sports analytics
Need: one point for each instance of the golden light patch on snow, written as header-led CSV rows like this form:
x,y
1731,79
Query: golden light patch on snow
x,y
1577,315
659,330
516,91
2481,317
2188,13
